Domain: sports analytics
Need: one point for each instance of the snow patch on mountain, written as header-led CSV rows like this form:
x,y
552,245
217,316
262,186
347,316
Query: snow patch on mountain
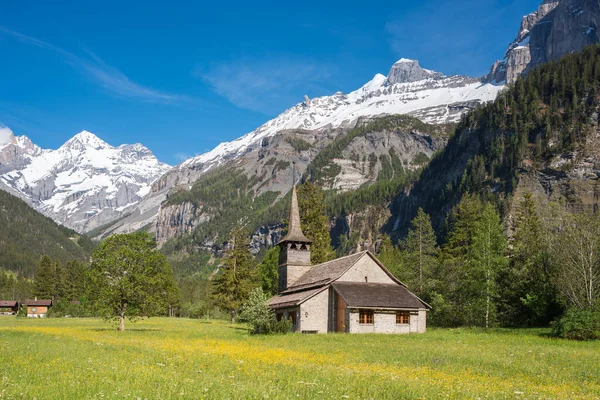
x,y
84,178
408,89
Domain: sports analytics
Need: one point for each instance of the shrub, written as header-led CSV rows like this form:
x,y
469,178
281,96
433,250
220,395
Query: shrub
x,y
22,313
256,312
578,325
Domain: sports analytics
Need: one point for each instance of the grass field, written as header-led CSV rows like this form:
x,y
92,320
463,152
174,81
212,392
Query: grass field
x,y
179,358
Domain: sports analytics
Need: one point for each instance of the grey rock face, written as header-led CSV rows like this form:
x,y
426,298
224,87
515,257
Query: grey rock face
x,y
407,71
556,29
569,27
17,152
518,56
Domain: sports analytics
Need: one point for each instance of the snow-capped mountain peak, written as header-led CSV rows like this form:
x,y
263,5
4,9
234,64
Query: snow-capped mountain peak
x,y
86,139
408,89
405,60
86,182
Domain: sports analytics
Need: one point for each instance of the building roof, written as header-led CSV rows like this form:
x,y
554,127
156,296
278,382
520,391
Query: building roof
x,y
8,303
36,302
293,299
294,230
378,295
325,273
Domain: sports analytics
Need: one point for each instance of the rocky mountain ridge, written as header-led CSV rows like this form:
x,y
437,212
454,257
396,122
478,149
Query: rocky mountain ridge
x,y
408,89
555,29
83,184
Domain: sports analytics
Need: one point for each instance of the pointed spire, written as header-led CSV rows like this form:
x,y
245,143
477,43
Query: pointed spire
x,y
294,230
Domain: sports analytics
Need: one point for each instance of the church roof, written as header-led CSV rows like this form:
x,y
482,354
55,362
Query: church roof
x,y
378,295
325,273
294,230
293,299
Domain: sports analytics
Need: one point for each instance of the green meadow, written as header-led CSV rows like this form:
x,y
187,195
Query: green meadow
x,y
193,359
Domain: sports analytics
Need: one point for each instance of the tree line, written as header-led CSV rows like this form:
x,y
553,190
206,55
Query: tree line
x,y
126,278
481,276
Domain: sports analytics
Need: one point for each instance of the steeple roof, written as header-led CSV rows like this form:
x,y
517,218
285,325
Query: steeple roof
x,y
294,230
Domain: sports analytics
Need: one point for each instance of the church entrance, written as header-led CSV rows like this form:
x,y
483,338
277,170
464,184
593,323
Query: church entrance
x,y
340,313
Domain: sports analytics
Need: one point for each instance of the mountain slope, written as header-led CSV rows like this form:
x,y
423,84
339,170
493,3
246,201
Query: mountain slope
x,y
83,184
253,189
408,89
26,235
541,136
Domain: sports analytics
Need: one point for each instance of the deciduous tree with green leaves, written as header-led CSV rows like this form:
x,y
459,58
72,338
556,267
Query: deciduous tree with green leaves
x,y
488,259
576,251
130,278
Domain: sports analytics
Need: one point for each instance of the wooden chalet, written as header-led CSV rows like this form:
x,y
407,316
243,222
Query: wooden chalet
x,y
37,308
9,307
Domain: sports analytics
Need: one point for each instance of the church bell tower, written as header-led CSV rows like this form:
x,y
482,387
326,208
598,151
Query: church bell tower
x,y
294,254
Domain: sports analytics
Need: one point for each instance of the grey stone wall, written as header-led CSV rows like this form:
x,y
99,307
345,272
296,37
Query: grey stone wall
x,y
366,267
314,313
385,322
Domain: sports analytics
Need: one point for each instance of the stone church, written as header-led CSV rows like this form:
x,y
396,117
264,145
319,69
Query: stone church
x,y
354,294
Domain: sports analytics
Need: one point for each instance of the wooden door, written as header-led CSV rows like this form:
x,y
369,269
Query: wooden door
x,y
340,313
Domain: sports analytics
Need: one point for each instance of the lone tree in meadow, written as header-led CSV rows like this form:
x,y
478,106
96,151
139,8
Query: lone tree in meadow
x,y
130,278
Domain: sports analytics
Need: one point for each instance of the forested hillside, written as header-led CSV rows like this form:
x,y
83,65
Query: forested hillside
x,y
204,215
541,133
27,235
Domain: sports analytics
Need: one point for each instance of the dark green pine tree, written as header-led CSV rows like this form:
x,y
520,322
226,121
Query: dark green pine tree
x,y
76,280
232,285
421,251
392,258
45,274
528,296
315,223
268,273
454,296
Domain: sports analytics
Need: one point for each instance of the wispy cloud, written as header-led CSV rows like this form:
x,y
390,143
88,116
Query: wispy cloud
x,y
268,85
99,72
5,134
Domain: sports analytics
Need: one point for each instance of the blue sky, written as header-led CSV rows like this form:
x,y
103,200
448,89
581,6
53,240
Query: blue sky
x,y
183,76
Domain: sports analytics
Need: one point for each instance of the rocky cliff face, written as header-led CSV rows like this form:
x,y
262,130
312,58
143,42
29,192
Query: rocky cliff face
x,y
15,151
518,56
569,26
407,71
557,28
364,159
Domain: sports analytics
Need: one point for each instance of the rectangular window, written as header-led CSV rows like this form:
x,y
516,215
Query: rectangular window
x,y
402,317
365,316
